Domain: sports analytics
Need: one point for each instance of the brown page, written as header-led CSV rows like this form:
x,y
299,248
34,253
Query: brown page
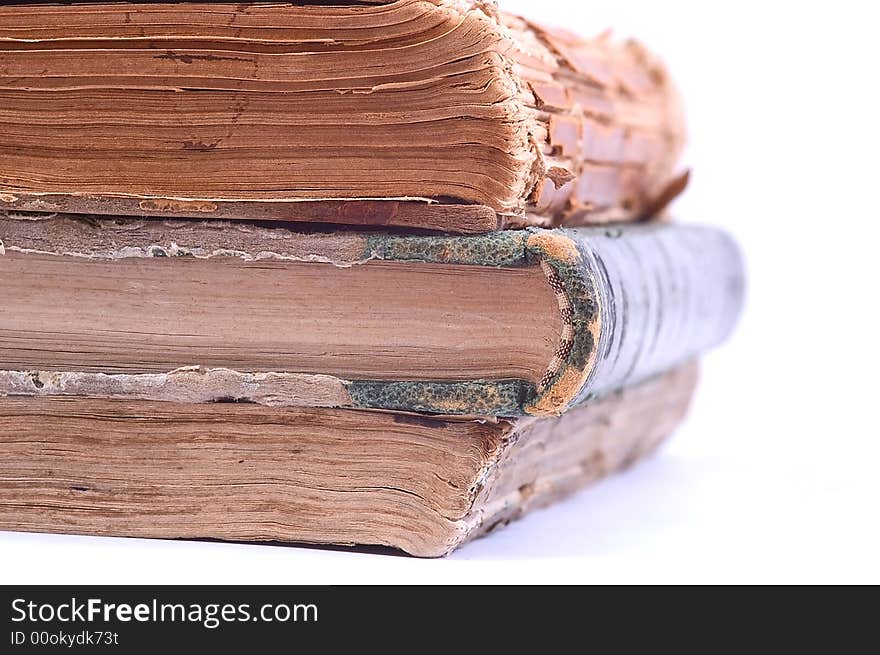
x,y
248,473
429,113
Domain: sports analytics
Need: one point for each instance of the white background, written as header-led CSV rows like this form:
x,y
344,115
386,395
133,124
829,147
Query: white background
x,y
774,477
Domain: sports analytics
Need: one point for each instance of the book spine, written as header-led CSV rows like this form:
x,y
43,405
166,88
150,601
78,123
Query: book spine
x,y
608,126
643,299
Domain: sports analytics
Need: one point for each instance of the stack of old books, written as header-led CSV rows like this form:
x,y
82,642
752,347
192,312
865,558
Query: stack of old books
x,y
342,273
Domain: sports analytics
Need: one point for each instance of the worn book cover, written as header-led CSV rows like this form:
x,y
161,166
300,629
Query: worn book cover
x,y
527,322
244,472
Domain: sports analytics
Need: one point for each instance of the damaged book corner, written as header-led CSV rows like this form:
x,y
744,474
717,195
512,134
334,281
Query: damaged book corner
x,y
366,273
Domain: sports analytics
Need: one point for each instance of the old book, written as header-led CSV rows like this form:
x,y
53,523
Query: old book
x,y
442,114
524,322
248,473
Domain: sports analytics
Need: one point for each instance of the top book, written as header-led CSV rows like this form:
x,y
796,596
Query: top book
x,y
438,114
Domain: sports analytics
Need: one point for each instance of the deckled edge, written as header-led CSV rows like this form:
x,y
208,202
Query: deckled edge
x,y
190,384
116,238
484,517
109,239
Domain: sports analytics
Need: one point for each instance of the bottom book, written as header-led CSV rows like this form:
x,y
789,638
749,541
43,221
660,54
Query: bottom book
x,y
245,472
